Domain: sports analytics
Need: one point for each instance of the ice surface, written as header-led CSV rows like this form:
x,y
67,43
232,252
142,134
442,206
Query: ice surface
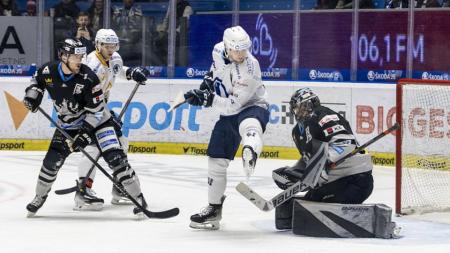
x,y
169,181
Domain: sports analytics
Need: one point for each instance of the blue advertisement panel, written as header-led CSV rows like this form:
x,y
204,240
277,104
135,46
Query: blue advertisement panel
x,y
17,70
325,46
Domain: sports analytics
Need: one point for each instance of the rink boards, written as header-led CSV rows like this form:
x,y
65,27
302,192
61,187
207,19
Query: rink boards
x,y
152,129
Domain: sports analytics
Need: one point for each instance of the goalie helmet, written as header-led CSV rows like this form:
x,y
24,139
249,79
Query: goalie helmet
x,y
106,36
71,46
236,38
302,103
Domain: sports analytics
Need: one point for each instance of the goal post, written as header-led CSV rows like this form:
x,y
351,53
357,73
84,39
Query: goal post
x,y
422,146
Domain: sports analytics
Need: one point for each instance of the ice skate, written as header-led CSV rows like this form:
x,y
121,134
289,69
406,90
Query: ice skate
x,y
118,198
35,205
87,201
209,218
249,159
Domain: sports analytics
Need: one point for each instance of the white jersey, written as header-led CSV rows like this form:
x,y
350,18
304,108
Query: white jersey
x,y
237,85
106,71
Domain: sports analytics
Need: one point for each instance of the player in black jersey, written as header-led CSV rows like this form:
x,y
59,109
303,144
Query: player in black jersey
x,y
78,100
323,136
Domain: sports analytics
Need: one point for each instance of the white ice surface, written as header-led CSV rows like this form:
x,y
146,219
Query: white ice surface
x,y
169,181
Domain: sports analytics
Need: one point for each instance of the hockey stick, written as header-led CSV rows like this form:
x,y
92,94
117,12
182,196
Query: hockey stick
x,y
161,215
267,205
122,112
179,100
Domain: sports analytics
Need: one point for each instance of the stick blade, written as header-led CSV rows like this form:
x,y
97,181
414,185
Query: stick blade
x,y
179,100
163,214
253,197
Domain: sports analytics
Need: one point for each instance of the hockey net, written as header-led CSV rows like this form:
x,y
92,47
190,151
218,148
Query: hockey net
x,y
423,146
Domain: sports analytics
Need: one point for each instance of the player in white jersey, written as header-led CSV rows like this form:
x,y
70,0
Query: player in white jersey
x,y
234,87
108,65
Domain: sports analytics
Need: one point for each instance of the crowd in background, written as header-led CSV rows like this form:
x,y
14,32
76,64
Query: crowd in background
x,y
82,18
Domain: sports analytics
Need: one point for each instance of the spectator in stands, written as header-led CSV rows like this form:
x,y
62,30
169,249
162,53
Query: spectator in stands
x,y
83,32
348,4
428,4
8,8
325,4
183,11
96,14
66,9
31,8
127,22
396,4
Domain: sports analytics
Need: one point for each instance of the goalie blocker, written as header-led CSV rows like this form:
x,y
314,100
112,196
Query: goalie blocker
x,y
336,220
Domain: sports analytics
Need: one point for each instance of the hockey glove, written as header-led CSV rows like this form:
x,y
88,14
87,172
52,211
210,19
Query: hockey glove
x,y
33,98
208,82
199,97
82,139
138,74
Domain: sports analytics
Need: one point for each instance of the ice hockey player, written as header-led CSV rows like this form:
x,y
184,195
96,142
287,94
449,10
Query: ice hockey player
x,y
234,87
78,100
323,136
108,65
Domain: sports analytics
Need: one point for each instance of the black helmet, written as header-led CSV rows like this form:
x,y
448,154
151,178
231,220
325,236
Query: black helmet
x,y
71,46
302,103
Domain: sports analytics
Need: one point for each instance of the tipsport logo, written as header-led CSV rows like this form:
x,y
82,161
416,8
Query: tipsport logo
x,y
263,44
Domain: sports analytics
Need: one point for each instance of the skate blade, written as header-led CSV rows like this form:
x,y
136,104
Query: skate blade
x,y
121,202
208,225
30,214
89,207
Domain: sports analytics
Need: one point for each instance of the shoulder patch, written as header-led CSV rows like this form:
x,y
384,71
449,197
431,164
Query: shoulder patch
x,y
46,71
333,129
328,118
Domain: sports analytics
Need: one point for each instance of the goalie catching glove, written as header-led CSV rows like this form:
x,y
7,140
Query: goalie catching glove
x,y
138,74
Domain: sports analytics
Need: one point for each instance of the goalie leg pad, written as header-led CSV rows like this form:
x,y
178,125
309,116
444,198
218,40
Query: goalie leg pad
x,y
343,220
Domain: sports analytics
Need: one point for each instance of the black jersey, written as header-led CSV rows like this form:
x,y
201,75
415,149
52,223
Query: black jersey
x,y
76,97
325,125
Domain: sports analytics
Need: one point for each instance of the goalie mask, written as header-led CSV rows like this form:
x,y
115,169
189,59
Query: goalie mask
x,y
302,103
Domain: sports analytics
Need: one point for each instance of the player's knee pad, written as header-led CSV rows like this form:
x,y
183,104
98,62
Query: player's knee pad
x,y
107,138
251,132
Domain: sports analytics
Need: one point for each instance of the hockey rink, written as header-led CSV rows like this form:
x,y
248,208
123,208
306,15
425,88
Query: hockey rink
x,y
174,180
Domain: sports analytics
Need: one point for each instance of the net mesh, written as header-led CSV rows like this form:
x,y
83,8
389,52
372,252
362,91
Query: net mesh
x,y
425,148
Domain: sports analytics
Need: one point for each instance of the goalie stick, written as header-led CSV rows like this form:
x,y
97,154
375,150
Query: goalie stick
x,y
122,112
267,205
150,214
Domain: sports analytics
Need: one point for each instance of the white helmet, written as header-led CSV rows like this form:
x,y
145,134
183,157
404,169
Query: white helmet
x,y
236,38
107,36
